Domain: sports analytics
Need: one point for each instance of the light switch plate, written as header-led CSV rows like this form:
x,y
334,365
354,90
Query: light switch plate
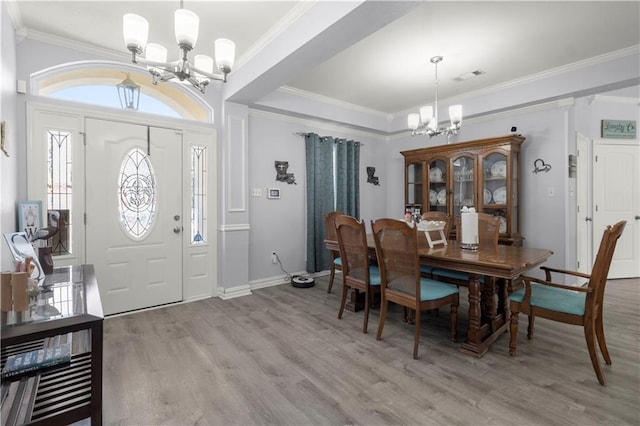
x,y
256,192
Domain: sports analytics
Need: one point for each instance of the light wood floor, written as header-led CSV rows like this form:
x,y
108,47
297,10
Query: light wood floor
x,y
281,356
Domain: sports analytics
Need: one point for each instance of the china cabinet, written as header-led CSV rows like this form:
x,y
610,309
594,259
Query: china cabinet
x,y
484,174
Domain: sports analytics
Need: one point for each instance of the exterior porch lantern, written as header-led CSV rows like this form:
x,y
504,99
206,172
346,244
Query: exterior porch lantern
x,y
129,93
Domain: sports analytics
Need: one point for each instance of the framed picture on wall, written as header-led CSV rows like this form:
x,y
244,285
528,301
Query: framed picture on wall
x,y
30,217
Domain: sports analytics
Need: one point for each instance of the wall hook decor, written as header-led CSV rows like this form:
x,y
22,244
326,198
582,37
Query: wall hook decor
x,y
540,166
371,171
281,173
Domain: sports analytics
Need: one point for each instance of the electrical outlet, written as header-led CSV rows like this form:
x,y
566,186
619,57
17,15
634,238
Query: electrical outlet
x,y
274,257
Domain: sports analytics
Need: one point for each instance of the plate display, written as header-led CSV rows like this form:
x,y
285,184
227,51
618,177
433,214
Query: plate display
x,y
500,195
487,196
499,168
435,174
433,197
442,197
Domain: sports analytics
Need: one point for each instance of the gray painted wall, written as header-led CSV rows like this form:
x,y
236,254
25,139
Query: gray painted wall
x,y
14,138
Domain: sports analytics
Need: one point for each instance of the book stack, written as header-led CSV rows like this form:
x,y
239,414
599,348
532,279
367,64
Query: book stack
x,y
36,360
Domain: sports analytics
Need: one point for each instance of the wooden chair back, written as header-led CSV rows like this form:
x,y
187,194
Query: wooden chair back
x,y
330,225
488,230
352,239
332,235
601,265
397,253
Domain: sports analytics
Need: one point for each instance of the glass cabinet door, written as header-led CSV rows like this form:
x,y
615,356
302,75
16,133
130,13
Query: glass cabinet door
x,y
438,185
415,179
463,185
495,188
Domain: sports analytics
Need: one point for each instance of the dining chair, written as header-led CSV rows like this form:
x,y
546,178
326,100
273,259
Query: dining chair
x,y
488,235
334,255
570,304
438,216
397,252
357,272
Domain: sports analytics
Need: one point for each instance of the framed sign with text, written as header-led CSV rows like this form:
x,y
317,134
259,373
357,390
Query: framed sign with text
x,y
618,129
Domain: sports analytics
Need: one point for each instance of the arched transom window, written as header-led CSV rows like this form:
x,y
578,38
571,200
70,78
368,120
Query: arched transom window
x,y
95,83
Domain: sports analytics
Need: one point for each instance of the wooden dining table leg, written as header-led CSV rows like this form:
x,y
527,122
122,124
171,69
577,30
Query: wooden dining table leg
x,y
474,337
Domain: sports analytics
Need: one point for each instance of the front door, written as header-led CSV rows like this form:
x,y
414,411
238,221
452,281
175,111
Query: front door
x,y
616,196
133,213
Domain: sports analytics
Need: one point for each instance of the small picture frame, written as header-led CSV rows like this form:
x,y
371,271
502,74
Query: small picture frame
x,y
273,193
30,217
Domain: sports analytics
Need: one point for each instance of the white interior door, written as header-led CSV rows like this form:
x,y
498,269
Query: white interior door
x,y
616,196
133,207
583,218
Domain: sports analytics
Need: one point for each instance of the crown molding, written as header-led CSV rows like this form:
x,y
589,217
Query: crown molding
x,y
613,99
281,26
495,115
334,102
77,45
316,124
553,72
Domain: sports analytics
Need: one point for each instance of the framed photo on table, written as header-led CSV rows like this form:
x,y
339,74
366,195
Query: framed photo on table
x,y
30,217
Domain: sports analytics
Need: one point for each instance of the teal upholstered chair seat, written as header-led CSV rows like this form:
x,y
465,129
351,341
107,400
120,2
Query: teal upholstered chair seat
x,y
553,299
433,290
337,261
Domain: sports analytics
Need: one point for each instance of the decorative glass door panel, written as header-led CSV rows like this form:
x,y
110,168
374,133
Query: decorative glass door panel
x,y
495,188
415,176
438,185
463,185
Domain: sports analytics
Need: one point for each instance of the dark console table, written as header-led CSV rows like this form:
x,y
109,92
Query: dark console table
x,y
67,308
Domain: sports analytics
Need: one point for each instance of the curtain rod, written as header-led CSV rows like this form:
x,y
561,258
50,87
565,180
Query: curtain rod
x,y
303,134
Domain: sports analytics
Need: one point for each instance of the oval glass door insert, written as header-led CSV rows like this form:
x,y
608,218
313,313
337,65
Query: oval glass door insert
x,y
137,194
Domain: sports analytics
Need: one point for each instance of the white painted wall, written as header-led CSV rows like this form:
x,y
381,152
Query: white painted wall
x,y
8,113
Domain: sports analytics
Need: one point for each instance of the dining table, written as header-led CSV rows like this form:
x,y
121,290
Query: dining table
x,y
501,265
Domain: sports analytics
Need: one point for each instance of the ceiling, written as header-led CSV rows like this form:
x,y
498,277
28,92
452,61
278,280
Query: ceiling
x,y
388,70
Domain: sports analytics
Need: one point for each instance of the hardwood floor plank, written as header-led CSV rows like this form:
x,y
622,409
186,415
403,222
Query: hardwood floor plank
x,y
281,356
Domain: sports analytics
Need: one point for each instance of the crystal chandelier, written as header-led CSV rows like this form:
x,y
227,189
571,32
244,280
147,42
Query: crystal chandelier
x,y
186,23
428,117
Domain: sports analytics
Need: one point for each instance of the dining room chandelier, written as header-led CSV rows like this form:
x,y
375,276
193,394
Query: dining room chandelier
x,y
426,123
186,23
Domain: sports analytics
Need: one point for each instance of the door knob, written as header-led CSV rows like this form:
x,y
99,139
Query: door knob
x,y
176,230
587,219
637,217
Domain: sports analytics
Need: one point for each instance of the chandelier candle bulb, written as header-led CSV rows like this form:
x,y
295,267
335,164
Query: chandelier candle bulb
x,y
469,228
429,114
186,25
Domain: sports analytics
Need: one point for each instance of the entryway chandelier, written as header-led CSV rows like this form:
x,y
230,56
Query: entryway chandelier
x,y
186,23
429,120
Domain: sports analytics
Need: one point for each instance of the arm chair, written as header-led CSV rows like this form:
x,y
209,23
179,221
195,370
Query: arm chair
x,y
334,255
357,273
569,304
425,270
397,252
488,234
